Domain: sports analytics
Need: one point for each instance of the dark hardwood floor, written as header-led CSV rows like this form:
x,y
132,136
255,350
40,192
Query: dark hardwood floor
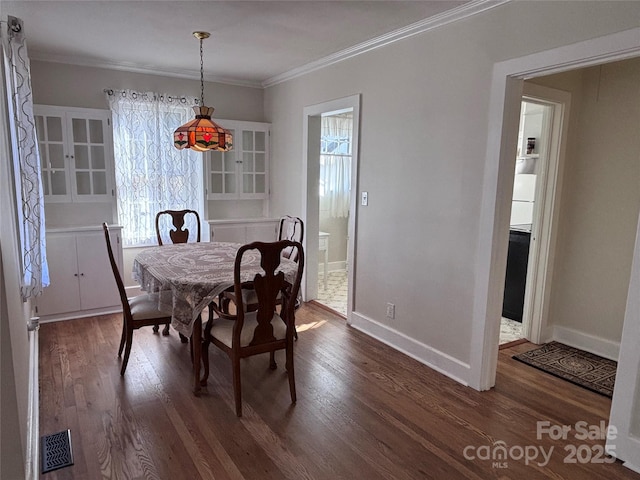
x,y
363,411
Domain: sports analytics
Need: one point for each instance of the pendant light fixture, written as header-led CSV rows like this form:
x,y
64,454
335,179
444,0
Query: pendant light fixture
x,y
202,134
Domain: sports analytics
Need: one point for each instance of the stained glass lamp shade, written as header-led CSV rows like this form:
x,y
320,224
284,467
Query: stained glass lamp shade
x,y
202,133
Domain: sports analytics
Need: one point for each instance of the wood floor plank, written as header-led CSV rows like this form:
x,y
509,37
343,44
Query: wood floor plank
x,y
364,410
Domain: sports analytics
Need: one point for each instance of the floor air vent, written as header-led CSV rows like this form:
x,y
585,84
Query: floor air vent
x,y
56,451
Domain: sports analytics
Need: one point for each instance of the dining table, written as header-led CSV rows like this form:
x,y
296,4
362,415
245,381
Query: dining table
x,y
188,276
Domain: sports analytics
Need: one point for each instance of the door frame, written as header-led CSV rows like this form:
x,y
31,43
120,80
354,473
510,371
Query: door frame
x,y
504,106
504,113
546,211
310,192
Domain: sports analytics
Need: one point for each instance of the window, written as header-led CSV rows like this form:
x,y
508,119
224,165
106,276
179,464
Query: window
x,y
151,174
335,164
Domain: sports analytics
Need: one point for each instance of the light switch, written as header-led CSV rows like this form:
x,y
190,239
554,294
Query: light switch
x,y
365,199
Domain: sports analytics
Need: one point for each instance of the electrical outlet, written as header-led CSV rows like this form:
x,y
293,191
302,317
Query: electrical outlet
x,y
365,199
391,310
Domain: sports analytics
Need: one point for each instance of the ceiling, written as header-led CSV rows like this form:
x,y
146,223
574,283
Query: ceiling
x,y
251,43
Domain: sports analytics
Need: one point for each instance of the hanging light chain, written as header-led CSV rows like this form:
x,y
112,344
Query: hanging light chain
x,y
201,75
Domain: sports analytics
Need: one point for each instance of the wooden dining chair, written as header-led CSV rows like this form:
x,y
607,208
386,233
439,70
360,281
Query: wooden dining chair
x,y
137,312
289,228
263,330
170,225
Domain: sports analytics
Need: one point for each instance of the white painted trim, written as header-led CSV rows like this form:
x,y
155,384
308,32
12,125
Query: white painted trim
x,y
429,356
136,68
455,14
80,314
631,467
491,252
464,11
624,404
90,228
589,343
546,210
33,410
310,210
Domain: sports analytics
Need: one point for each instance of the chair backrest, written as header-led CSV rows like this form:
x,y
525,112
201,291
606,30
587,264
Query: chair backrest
x,y
291,228
116,273
267,286
170,226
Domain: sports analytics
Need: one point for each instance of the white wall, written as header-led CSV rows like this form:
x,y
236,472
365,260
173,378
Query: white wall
x,y
416,239
14,339
600,199
337,228
79,86
14,359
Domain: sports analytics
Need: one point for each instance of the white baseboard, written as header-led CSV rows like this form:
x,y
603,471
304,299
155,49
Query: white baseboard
x,y
80,314
589,343
435,359
631,467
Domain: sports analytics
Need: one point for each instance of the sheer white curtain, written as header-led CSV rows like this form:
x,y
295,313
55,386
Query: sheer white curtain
x,y
335,164
151,174
25,158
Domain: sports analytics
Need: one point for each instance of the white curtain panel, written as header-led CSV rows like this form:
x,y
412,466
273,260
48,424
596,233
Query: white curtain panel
x,y
335,165
151,174
26,158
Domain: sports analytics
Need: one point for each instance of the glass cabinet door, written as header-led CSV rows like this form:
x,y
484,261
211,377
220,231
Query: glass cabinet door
x,y
88,154
242,173
254,171
55,165
76,153
222,172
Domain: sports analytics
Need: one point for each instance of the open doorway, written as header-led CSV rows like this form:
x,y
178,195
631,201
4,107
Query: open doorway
x,y
527,162
543,114
334,188
331,165
506,96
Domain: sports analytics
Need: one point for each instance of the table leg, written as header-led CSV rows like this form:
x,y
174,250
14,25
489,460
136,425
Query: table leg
x,y
196,344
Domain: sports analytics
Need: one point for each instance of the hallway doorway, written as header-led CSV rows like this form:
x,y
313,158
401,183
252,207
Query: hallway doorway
x,y
334,189
331,165
543,113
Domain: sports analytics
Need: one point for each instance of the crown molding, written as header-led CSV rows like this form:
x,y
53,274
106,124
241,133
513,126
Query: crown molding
x,y
469,9
463,11
136,68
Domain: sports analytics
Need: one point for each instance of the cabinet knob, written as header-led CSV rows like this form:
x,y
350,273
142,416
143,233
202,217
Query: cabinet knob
x,y
75,274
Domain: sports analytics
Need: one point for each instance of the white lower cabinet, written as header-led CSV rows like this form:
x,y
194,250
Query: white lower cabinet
x,y
244,231
81,280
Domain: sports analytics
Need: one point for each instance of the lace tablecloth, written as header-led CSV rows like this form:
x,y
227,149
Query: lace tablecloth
x,y
188,276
